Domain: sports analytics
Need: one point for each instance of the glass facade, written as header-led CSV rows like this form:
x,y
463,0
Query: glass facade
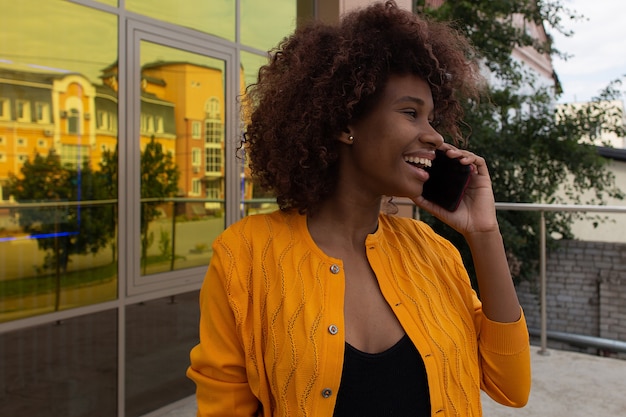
x,y
159,335
212,17
119,126
58,210
65,368
182,117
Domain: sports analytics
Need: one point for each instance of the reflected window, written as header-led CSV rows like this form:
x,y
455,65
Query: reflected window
x,y
213,160
4,109
42,111
73,121
212,191
159,126
22,110
214,131
196,187
103,120
213,107
196,130
147,123
196,155
74,155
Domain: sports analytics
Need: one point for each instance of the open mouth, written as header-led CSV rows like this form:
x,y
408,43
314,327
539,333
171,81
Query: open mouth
x,y
423,163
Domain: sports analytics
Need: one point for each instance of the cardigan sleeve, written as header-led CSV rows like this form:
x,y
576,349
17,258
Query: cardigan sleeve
x,y
503,348
218,361
504,358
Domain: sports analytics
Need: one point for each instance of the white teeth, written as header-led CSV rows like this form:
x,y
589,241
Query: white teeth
x,y
418,161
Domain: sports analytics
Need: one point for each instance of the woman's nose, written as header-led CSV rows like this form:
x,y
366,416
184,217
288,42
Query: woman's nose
x,y
431,137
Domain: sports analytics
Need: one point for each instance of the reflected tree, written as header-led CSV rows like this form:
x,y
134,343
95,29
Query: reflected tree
x,y
61,227
159,180
109,171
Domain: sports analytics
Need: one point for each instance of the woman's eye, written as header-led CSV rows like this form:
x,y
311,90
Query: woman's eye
x,y
411,113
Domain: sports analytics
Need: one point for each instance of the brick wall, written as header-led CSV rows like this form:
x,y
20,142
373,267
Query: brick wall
x,y
586,292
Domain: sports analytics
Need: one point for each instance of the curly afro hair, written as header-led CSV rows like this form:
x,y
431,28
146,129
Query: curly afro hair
x,y
323,77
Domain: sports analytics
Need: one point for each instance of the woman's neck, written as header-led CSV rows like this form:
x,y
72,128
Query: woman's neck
x,y
342,224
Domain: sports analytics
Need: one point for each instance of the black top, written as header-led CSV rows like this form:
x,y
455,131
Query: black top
x,y
390,383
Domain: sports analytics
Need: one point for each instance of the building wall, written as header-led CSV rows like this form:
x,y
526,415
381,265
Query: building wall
x,y
609,227
586,292
615,115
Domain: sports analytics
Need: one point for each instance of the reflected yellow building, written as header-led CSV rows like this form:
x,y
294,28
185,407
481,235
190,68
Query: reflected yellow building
x,y
198,96
182,108
44,111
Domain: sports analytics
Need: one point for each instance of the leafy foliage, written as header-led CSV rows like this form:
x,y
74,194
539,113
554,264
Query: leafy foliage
x,y
497,27
159,179
536,152
62,230
71,229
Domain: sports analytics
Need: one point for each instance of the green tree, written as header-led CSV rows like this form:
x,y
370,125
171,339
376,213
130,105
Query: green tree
x,y
61,225
159,179
536,153
110,174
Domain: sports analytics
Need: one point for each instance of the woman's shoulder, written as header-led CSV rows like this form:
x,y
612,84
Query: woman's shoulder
x,y
262,226
403,224
414,230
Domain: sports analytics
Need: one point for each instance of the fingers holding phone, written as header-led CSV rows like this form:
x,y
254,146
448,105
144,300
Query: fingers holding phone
x,y
448,180
460,179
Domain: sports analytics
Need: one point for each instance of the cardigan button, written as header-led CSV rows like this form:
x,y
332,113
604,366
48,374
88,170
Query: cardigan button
x,y
327,392
332,329
334,268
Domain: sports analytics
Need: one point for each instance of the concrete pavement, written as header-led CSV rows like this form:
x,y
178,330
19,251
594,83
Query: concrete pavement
x,y
570,384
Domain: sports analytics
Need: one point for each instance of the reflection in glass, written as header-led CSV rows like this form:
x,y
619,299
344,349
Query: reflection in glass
x,y
212,17
182,157
109,2
255,200
159,335
58,123
68,368
265,23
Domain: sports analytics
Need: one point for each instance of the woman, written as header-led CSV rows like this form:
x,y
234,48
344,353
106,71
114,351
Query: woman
x,y
329,307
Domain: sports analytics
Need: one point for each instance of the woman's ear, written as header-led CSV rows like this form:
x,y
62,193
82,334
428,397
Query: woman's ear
x,y
346,137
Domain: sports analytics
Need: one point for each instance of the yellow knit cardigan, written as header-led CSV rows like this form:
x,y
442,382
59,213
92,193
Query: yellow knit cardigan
x,y
271,327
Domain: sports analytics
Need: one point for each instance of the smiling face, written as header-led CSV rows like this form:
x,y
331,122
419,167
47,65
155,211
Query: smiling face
x,y
393,142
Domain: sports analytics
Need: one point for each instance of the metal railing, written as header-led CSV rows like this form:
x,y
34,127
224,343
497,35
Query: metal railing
x,y
543,331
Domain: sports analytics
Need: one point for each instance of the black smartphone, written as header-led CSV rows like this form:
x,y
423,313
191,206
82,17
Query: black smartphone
x,y
447,183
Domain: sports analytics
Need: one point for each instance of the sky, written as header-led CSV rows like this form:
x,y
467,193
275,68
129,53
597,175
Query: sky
x,y
597,49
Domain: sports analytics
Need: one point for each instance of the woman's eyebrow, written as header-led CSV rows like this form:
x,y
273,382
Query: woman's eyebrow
x,y
412,99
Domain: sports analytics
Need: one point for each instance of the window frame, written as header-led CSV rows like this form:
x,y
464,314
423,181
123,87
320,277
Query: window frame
x,y
138,32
